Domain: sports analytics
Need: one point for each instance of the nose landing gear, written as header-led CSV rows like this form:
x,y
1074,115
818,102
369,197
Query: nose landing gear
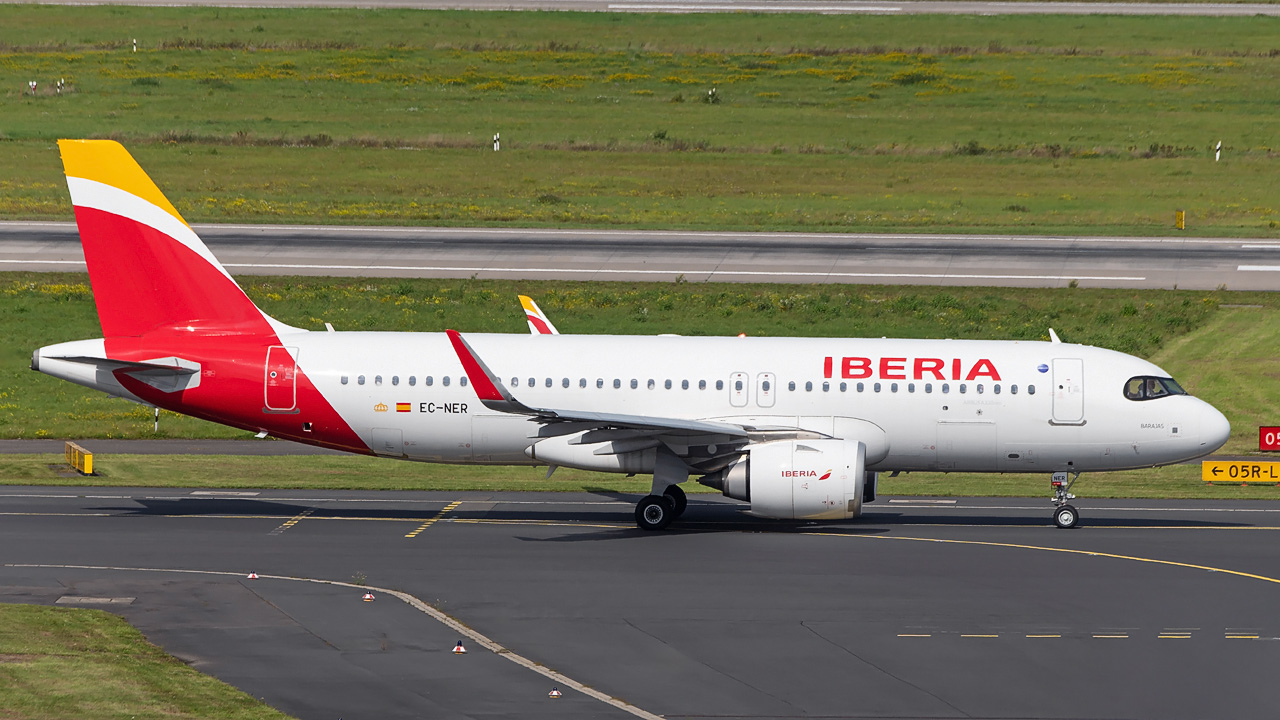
x,y
1065,515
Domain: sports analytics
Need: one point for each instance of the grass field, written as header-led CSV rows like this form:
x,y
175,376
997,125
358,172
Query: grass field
x,y
91,665
1035,124
364,473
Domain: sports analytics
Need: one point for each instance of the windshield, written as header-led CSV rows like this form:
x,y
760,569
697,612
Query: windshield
x,y
1148,387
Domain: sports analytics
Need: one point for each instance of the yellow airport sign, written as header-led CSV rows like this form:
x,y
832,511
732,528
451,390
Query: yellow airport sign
x,y
1240,471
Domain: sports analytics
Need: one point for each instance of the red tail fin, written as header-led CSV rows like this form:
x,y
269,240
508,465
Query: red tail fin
x,y
148,268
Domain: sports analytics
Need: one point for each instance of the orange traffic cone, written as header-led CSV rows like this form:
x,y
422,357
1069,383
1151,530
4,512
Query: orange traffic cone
x,y
555,693
368,597
459,650
252,576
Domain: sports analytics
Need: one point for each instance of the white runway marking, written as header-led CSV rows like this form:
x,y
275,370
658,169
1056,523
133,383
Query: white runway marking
x,y
1258,268
412,601
753,8
678,271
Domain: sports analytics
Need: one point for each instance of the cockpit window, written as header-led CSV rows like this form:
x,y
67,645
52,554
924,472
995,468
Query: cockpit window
x,y
1150,388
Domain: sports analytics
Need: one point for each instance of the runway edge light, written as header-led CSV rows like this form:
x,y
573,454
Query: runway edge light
x,y
459,650
367,597
555,693
252,576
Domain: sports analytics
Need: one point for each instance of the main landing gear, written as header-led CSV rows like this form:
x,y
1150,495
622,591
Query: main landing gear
x,y
655,512
1065,515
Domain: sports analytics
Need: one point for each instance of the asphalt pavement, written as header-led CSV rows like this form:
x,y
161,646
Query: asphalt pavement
x,y
632,255
927,607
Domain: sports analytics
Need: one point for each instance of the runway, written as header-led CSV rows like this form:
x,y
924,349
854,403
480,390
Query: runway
x,y
927,607
633,255
824,7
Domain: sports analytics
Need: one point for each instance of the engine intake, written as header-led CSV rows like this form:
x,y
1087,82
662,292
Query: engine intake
x,y
799,479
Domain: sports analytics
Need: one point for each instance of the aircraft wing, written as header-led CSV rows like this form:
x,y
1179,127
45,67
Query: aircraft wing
x,y
538,322
717,441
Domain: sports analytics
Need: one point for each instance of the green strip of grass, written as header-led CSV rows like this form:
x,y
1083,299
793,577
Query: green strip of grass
x,y
365,473
88,664
1035,124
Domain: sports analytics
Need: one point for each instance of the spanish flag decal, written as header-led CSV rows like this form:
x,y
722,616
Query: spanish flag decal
x,y
404,407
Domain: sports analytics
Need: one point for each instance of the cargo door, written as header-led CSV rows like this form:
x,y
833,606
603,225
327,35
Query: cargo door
x,y
388,442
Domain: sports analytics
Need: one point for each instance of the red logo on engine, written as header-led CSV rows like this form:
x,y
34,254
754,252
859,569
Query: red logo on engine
x,y
825,475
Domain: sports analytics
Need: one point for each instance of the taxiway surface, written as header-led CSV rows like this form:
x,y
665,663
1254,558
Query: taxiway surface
x,y
991,260
940,608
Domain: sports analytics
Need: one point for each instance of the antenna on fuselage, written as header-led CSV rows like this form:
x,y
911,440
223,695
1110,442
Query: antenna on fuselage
x,y
1053,336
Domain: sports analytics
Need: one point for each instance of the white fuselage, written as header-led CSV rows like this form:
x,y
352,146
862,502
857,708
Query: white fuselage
x,y
949,405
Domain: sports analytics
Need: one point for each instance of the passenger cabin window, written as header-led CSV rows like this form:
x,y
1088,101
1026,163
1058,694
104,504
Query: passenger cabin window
x,y
377,379
599,383
582,382
395,379
719,384
462,381
667,384
826,387
445,381
564,382
634,383
844,387
412,381
548,382
360,380
1031,389
651,384
429,381
1151,388
791,386
684,384
617,384
344,379
808,387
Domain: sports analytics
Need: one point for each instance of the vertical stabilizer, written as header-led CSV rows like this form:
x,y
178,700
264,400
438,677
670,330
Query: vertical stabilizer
x,y
148,268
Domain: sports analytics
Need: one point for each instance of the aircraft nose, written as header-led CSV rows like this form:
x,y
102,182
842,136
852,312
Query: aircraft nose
x,y
1214,428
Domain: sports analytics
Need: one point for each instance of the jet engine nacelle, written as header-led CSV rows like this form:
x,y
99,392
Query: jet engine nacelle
x,y
798,479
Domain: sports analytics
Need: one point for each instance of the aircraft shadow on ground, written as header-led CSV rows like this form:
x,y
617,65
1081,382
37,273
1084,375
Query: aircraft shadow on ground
x,y
701,516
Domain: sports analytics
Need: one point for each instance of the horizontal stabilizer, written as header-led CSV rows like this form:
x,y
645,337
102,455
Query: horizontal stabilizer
x,y
132,368
169,374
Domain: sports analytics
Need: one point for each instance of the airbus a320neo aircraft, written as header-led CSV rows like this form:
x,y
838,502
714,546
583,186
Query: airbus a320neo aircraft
x,y
797,427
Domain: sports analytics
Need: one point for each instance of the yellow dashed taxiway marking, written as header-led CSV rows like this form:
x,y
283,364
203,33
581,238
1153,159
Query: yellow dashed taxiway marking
x,y
292,521
434,519
1070,551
